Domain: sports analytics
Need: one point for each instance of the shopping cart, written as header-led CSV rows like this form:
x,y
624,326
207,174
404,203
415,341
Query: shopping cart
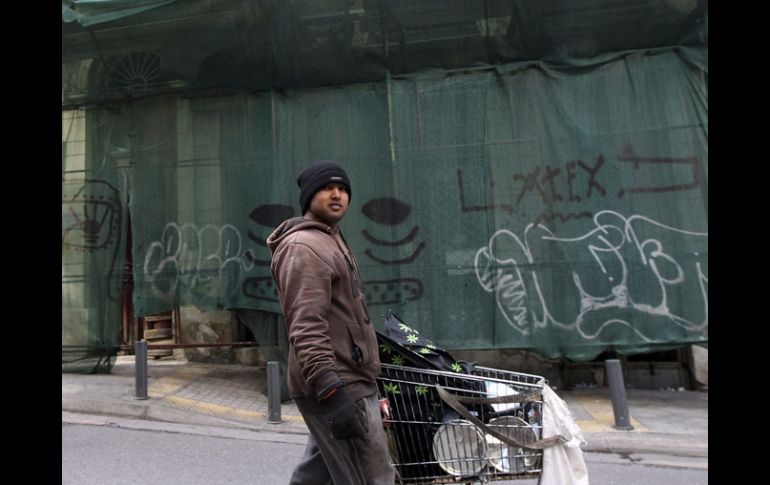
x,y
450,427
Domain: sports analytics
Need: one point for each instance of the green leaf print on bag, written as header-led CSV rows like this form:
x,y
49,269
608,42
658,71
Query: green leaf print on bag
x,y
391,388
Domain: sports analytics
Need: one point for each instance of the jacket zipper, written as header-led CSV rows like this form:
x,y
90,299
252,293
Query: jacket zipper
x,y
355,280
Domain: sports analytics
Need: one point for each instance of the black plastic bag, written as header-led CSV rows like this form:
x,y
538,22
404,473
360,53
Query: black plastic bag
x,y
416,408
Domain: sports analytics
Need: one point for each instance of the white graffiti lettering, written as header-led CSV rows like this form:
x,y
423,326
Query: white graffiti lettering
x,y
208,260
502,277
591,283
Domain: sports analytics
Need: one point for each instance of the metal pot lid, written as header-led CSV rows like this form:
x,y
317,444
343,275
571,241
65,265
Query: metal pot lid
x,y
460,448
510,459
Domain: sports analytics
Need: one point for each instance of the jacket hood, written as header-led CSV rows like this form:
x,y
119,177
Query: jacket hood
x,y
290,226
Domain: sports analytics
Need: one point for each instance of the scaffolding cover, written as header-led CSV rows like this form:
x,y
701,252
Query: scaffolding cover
x,y
513,187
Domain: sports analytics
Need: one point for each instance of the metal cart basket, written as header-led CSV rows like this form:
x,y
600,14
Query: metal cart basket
x,y
450,427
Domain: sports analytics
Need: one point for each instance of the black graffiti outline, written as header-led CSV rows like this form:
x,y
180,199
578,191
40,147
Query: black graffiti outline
x,y
259,262
417,293
571,175
463,208
409,238
254,282
550,174
386,210
591,181
265,215
406,260
256,239
628,156
550,216
117,207
530,181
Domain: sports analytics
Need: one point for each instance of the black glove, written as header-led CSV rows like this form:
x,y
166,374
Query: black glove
x,y
343,415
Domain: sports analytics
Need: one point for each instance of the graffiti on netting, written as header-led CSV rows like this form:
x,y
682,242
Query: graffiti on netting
x,y
91,215
577,182
267,217
91,221
597,281
397,250
206,261
387,212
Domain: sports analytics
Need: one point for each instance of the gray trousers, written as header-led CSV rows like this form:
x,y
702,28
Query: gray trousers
x,y
330,461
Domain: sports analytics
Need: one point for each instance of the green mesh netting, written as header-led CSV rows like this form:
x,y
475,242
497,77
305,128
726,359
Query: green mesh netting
x,y
513,187
93,253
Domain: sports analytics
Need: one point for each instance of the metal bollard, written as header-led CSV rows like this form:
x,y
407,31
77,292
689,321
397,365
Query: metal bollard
x,y
140,368
618,394
273,393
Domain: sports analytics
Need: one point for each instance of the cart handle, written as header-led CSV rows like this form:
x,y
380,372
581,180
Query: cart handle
x,y
454,402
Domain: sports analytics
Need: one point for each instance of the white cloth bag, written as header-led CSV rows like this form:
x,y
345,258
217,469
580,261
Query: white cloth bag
x,y
562,464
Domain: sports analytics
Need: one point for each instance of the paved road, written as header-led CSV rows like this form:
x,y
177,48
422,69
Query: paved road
x,y
164,453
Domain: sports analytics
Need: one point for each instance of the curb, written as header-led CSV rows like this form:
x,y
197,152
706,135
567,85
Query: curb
x,y
655,443
73,418
646,443
143,410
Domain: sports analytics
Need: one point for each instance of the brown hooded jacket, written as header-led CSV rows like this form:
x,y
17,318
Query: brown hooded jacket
x,y
330,333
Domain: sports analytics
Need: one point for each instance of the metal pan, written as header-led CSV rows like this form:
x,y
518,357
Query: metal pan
x,y
460,448
510,459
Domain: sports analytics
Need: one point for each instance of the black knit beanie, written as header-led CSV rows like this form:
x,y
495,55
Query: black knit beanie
x,y
317,175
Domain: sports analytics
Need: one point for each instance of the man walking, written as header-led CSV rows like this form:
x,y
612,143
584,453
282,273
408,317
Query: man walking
x,y
333,352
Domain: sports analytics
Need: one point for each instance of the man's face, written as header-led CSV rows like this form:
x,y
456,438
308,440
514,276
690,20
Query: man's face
x,y
329,204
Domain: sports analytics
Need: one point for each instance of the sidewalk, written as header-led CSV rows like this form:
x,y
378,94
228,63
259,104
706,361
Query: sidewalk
x,y
229,396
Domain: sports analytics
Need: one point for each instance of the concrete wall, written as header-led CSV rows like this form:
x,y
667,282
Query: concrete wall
x,y
221,326
638,375
199,326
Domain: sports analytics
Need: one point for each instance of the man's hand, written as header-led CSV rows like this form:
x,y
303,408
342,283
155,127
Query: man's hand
x,y
343,415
